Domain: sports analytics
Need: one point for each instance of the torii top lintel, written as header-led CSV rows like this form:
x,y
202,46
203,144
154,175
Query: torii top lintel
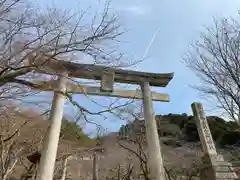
x,y
91,71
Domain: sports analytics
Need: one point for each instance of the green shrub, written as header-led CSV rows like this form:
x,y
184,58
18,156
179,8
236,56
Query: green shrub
x,y
175,125
72,130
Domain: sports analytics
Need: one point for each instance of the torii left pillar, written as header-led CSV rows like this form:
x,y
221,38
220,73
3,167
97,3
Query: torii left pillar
x,y
50,145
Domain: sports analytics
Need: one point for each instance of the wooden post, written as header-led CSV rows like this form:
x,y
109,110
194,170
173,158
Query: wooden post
x,y
51,139
154,150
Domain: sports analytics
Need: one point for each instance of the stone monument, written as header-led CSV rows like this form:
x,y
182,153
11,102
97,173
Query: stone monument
x,y
214,167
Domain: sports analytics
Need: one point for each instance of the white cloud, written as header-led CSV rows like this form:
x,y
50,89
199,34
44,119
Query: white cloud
x,y
137,10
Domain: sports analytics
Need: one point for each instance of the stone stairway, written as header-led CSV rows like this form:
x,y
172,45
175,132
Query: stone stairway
x,y
215,168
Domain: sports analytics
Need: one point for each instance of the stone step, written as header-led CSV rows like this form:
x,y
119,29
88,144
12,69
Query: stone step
x,y
215,163
219,168
221,163
218,158
223,175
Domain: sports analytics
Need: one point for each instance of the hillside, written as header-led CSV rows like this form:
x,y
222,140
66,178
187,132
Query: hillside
x,y
24,131
182,128
179,142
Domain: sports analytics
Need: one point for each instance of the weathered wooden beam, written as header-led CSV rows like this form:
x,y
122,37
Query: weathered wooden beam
x,y
96,91
90,71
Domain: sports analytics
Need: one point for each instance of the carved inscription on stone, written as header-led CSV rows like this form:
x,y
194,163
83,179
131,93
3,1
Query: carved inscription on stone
x,y
200,111
208,135
205,127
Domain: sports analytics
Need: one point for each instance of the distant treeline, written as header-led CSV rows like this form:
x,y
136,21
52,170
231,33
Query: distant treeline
x,y
183,127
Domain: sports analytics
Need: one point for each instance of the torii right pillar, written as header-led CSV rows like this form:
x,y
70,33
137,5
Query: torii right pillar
x,y
155,160
214,166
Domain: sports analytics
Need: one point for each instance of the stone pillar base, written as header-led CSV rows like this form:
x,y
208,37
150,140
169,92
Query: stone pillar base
x,y
215,168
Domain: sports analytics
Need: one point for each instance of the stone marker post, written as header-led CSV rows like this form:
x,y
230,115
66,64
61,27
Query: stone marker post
x,y
154,150
214,167
95,166
203,129
51,139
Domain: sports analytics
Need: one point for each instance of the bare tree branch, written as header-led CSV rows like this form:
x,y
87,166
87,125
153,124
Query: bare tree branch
x,y
215,60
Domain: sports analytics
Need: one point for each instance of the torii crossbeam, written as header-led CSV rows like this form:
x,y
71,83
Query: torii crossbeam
x,y
77,88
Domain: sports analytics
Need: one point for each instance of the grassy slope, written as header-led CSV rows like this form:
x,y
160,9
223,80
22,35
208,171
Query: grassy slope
x,y
75,141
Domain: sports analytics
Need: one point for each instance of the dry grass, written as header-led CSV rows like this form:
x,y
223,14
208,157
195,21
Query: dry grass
x,y
30,137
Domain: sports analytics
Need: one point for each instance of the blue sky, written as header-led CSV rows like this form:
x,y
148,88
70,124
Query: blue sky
x,y
180,23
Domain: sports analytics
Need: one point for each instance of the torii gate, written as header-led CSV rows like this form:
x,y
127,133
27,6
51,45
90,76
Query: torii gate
x,y
107,76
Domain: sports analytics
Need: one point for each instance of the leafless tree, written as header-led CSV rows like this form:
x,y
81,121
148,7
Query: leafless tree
x,y
215,60
55,34
28,32
10,155
9,158
141,156
134,141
